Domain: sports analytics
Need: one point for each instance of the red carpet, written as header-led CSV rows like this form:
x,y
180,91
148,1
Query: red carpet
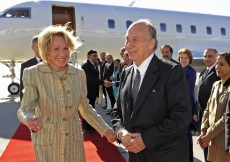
x,y
97,148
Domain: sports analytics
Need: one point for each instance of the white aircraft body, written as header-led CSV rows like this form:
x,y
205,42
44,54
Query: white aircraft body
x,y
103,27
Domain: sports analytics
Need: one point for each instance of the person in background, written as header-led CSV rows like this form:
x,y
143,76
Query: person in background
x,y
33,61
108,72
102,69
115,77
167,52
126,63
213,120
100,96
17,14
206,79
92,81
121,65
54,92
185,58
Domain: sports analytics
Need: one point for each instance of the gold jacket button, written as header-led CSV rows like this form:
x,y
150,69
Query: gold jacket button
x,y
66,134
68,92
64,119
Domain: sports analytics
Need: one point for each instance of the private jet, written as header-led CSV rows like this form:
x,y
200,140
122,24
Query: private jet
x,y
103,27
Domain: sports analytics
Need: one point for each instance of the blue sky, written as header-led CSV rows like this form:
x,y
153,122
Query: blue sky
x,y
216,7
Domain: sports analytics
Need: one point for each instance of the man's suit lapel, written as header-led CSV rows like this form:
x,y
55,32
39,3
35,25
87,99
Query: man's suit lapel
x,y
147,83
91,66
35,61
209,74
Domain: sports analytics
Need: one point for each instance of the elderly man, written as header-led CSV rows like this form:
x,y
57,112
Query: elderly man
x,y
167,52
153,109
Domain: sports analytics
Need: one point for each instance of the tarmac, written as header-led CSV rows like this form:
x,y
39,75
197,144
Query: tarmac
x,y
9,104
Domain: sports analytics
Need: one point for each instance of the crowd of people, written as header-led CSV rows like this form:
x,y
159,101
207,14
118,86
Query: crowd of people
x,y
152,101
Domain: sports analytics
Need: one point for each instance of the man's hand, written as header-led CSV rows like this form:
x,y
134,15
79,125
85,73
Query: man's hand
x,y
137,143
107,84
110,135
125,138
112,78
195,117
34,123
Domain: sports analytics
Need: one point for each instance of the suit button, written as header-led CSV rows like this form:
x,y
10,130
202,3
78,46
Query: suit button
x,y
66,134
48,119
70,107
64,119
64,78
68,92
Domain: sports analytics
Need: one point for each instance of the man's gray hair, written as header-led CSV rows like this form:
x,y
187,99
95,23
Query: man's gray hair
x,y
151,27
34,39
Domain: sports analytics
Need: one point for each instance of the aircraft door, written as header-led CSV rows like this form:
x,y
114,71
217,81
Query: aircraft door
x,y
62,15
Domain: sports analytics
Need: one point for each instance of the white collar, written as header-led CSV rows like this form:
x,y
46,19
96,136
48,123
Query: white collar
x,y
38,59
210,68
144,65
91,62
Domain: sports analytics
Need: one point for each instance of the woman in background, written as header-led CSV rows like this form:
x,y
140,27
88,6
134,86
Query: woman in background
x,y
213,121
185,58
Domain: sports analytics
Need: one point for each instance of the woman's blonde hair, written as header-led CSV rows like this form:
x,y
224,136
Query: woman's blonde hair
x,y
187,52
45,39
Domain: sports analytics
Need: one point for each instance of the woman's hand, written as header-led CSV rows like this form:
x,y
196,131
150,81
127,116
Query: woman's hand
x,y
34,123
110,135
205,141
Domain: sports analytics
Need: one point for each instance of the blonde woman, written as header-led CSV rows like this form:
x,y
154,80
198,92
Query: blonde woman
x,y
54,91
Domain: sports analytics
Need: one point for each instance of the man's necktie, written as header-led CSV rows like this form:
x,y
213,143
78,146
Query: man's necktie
x,y
136,85
205,74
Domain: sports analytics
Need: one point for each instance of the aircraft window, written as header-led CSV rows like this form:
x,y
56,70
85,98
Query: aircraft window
x,y
223,31
209,30
16,12
178,28
163,27
193,29
111,24
128,23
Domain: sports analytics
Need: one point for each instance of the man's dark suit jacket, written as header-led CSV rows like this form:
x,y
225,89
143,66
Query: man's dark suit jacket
x,y
107,75
108,71
28,63
204,90
92,79
161,112
102,69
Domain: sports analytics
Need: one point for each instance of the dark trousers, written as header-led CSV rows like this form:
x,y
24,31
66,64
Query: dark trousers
x,y
86,125
104,92
206,154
